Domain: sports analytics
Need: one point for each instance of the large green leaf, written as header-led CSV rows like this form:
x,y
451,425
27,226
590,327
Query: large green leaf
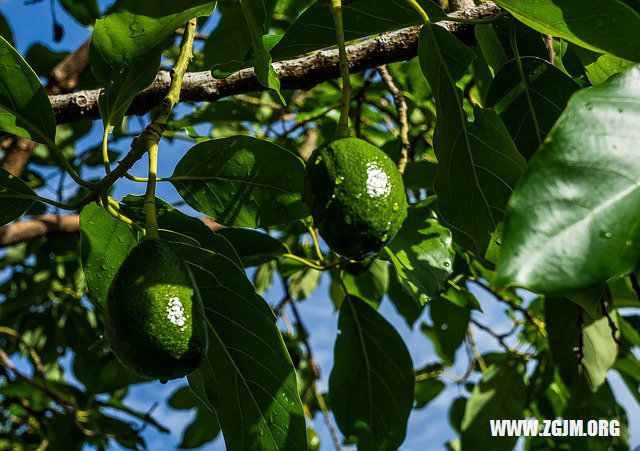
x,y
371,385
478,164
172,220
370,285
500,394
127,44
24,106
242,181
407,305
599,348
311,31
421,255
105,243
572,222
529,97
449,328
5,29
12,197
247,377
604,26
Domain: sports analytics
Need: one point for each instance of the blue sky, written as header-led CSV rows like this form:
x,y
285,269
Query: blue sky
x,y
428,428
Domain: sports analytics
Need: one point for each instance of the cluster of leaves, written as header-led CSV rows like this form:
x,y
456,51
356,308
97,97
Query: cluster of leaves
x,y
522,173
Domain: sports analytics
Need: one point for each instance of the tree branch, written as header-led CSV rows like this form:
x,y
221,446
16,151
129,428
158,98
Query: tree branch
x,y
37,227
299,73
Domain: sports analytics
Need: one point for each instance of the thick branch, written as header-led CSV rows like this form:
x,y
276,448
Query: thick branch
x,y
39,226
299,73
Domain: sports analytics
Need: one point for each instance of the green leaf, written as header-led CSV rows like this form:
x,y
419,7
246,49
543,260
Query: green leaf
x,y
605,26
12,201
422,255
312,30
530,102
242,181
599,348
426,389
24,106
247,376
407,305
449,328
172,220
370,286
5,29
205,426
372,381
105,243
600,67
84,11
478,164
588,171
253,247
500,394
255,17
127,44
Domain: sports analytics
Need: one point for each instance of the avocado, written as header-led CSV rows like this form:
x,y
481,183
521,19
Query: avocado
x,y
356,197
153,314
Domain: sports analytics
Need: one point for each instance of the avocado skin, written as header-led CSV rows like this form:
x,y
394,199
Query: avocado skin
x,y
154,316
356,197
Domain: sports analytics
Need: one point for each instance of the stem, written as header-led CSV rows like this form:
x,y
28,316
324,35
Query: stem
x,y
307,262
67,166
105,149
420,11
343,124
314,237
111,206
150,195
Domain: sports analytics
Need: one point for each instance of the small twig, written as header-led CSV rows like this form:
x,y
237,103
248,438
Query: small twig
x,y
33,355
604,302
548,39
474,349
499,337
579,350
401,106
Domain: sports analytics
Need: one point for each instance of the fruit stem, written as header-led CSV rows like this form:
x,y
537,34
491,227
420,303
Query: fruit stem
x,y
150,195
343,124
419,9
314,237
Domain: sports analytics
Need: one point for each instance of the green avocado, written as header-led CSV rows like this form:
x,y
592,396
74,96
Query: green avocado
x,y
356,196
154,316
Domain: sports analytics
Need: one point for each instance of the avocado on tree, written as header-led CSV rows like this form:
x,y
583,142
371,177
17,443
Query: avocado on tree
x,y
300,222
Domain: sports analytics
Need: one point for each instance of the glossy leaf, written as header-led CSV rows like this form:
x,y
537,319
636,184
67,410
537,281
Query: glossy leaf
x,y
242,182
5,30
421,255
24,106
576,205
370,285
372,381
500,394
530,102
105,243
253,247
449,328
427,388
606,26
12,203
407,305
599,67
478,163
171,219
127,44
247,377
599,349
